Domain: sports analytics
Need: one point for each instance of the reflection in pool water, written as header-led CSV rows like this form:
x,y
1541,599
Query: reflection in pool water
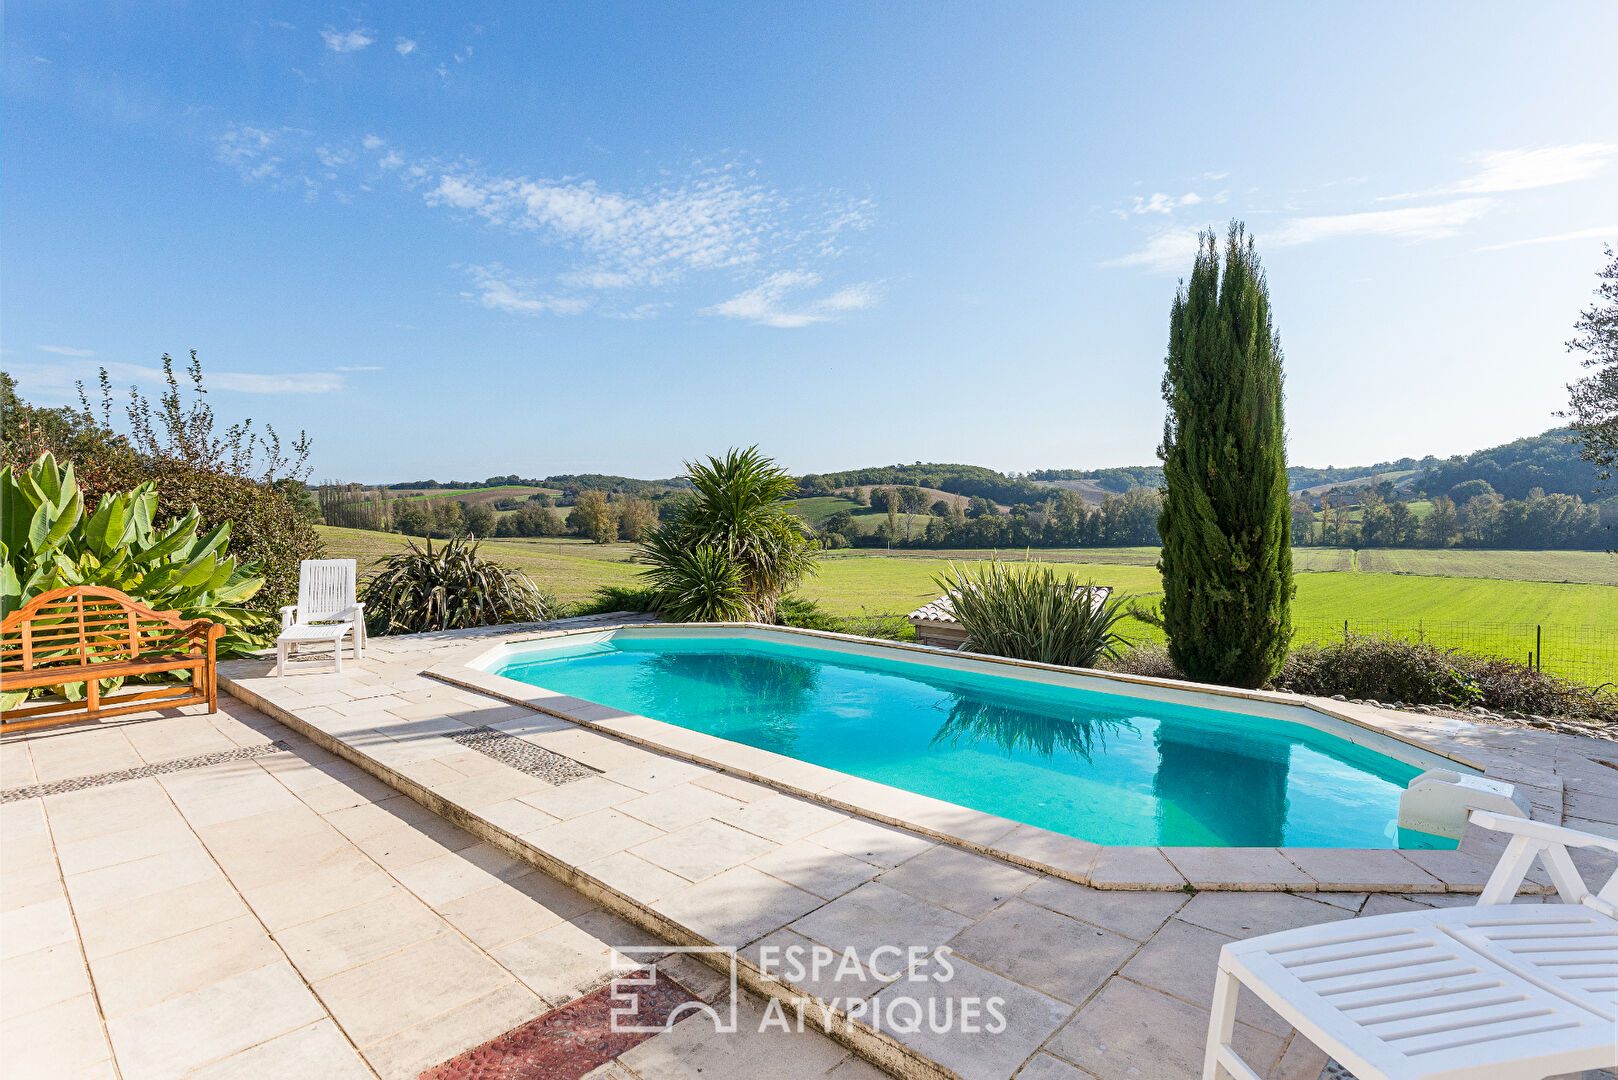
x,y
1108,767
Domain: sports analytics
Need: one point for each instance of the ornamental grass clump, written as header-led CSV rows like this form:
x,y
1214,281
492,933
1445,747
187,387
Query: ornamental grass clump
x,y
449,588
1030,612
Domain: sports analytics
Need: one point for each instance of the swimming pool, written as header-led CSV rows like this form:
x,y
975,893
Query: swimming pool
x,y
1112,767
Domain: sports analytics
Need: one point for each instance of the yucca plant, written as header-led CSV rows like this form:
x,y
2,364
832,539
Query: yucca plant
x,y
1031,612
449,588
694,584
47,542
739,517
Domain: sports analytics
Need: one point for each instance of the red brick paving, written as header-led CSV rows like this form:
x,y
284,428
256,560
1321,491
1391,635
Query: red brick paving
x,y
566,1043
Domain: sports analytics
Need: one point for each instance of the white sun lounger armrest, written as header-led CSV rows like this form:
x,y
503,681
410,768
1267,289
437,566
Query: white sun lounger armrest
x,y
289,612
1531,840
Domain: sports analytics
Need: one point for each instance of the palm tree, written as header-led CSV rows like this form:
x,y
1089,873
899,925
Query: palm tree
x,y
739,519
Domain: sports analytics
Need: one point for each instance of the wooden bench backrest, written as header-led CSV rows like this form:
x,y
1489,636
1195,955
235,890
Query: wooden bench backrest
x,y
84,624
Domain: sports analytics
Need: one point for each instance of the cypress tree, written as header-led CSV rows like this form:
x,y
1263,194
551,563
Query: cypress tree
x,y
1226,521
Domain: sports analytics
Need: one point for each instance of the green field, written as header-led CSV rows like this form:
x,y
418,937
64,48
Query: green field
x,y
487,494
1463,606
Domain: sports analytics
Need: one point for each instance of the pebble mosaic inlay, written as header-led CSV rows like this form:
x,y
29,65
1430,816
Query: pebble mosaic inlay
x,y
570,1041
161,768
523,755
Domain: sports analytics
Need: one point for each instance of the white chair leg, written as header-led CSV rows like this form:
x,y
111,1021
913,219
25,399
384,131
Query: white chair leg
x,y
359,643
1222,1025
337,651
280,659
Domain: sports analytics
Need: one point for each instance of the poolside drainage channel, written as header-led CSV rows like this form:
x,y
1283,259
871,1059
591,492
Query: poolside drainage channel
x,y
161,768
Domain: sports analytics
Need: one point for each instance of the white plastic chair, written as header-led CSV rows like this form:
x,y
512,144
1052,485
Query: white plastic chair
x,y
1497,991
327,610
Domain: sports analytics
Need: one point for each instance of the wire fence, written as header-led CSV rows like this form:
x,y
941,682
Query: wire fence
x,y
1586,653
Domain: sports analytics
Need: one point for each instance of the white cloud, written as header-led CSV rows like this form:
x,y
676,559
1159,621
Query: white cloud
x,y
1410,223
66,350
54,383
499,291
763,304
373,142
302,382
1519,170
1600,232
346,41
404,46
1168,251
250,150
359,367
390,160
1160,203
710,221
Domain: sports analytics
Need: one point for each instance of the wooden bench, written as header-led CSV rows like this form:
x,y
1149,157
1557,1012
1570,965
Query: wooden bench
x,y
84,634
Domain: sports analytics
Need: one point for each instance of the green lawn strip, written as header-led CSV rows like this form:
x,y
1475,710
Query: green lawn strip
x,y
1481,614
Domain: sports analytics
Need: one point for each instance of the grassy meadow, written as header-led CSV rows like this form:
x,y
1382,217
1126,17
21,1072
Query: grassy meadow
x,y
1486,600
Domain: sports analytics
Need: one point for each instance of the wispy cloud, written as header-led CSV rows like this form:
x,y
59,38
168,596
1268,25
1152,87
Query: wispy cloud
x,y
66,350
765,303
346,41
1600,232
1173,250
1411,222
54,383
403,46
1167,251
251,151
1160,203
1519,170
699,218
707,222
300,382
498,290
359,367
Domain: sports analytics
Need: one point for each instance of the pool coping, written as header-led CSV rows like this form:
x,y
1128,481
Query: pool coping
x,y
1268,869
396,714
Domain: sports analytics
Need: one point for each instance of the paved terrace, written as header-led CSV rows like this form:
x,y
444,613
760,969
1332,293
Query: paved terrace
x,y
369,875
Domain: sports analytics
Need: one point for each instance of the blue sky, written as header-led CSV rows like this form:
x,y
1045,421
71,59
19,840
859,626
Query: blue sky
x,y
458,240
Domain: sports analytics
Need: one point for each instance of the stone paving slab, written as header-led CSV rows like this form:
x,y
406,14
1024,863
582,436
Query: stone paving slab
x,y
1103,980
228,921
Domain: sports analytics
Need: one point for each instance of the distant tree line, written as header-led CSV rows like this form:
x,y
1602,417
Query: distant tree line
x,y
968,480
1472,515
1549,462
1059,519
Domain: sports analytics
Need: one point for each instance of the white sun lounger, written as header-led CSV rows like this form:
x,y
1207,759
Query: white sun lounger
x,y
1494,991
327,610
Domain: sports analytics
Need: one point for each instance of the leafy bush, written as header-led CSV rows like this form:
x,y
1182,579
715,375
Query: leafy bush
x,y
1031,612
607,598
268,529
449,588
47,541
1149,659
239,477
807,615
1421,673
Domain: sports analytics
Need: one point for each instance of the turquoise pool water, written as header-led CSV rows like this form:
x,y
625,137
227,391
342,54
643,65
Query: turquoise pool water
x,y
1109,768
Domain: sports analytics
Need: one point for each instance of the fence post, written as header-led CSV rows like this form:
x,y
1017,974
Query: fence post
x,y
1539,648
1345,631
